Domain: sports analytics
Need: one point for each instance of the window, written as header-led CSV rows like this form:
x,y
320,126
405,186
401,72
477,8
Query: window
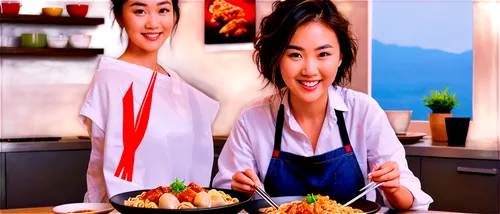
x,y
418,46
485,91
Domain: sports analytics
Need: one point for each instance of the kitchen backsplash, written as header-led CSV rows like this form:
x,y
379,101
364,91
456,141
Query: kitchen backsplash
x,y
41,96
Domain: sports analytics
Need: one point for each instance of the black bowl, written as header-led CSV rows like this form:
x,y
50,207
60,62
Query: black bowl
x,y
364,205
118,203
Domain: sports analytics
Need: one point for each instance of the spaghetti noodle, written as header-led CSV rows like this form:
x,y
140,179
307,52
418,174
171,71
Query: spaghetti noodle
x,y
318,205
178,196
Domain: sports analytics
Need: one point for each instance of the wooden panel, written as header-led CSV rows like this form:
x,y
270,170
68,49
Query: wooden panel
x,y
219,142
40,19
2,181
215,167
50,178
461,185
50,52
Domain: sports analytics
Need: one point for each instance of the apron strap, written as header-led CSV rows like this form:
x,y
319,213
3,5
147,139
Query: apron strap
x,y
343,130
278,131
344,136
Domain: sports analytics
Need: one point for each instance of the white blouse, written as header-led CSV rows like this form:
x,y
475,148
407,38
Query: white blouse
x,y
177,142
251,140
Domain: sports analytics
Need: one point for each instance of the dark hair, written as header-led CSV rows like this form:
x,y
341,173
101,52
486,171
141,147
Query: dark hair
x,y
117,9
277,29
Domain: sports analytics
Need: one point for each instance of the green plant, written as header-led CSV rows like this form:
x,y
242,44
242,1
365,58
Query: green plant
x,y
441,102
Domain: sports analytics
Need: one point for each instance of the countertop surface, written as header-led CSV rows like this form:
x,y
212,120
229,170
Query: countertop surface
x,y
35,146
37,210
472,150
425,147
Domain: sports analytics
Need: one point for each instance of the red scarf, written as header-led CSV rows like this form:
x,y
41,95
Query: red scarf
x,y
133,133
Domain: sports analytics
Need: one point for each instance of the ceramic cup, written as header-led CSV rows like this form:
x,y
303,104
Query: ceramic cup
x,y
399,120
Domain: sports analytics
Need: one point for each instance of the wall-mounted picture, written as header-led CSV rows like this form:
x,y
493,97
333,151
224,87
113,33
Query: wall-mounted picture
x,y
229,24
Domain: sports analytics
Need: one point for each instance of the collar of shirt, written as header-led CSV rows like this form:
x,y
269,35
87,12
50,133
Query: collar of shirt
x,y
335,101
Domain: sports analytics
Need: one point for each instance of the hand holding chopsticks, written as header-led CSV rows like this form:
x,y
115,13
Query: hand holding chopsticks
x,y
399,196
388,173
248,181
245,181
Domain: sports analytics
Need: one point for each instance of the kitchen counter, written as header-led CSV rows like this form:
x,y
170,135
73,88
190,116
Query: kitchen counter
x,y
425,147
50,161
37,210
36,146
69,143
473,150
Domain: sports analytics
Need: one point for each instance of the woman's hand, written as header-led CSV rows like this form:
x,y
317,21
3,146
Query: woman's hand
x,y
388,173
398,196
245,181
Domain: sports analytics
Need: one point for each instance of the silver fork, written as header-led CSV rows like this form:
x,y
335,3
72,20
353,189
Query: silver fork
x,y
266,197
369,187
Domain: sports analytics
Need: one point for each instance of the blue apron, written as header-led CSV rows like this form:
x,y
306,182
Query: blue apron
x,y
335,173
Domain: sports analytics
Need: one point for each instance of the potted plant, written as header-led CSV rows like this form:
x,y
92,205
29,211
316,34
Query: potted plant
x,y
441,104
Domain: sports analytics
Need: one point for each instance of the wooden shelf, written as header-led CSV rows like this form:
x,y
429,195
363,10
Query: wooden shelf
x,y
60,52
42,19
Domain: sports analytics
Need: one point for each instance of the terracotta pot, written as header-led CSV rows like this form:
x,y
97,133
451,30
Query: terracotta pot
x,y
438,126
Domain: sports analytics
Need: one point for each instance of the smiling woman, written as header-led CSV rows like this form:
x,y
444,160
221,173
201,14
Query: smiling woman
x,y
327,139
148,25
130,149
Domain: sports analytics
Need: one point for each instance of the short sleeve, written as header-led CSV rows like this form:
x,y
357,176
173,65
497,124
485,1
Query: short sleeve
x,y
203,105
93,114
95,106
209,107
384,146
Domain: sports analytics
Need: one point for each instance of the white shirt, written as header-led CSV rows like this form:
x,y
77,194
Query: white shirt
x,y
251,140
178,140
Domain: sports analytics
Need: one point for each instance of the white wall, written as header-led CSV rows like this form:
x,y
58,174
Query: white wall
x,y
42,96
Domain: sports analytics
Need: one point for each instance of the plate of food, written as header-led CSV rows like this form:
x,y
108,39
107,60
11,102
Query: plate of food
x,y
179,198
311,204
88,208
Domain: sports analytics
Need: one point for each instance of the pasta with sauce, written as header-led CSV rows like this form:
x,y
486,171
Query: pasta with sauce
x,y
179,196
312,204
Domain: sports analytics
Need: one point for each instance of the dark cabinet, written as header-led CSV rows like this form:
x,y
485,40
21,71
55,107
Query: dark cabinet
x,y
461,185
215,168
414,165
2,181
50,178
47,178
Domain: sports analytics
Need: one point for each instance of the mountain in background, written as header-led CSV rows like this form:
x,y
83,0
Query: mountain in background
x,y
401,76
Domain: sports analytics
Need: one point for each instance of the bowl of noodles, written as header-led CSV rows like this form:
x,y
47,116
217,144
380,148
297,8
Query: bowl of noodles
x,y
180,198
311,204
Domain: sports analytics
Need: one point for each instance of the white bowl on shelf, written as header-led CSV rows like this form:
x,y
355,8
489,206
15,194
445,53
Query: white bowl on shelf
x,y
57,41
9,41
80,41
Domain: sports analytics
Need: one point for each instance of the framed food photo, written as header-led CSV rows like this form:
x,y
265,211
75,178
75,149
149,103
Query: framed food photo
x,y
229,25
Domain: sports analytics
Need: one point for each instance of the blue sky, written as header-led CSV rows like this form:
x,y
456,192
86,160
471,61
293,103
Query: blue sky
x,y
403,32
444,25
